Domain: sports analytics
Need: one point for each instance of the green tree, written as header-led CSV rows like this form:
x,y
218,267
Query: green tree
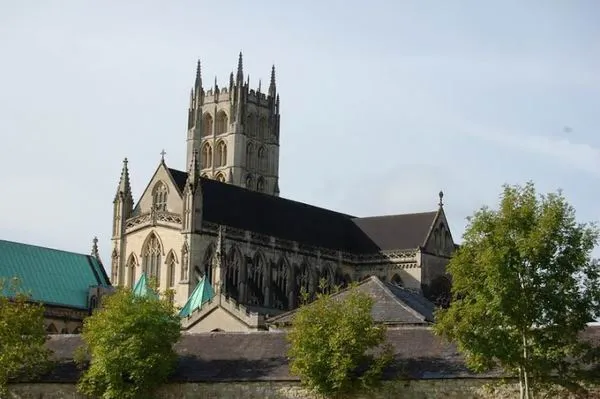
x,y
524,287
22,336
332,342
129,342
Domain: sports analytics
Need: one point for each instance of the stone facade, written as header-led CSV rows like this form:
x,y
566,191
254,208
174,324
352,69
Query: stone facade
x,y
169,235
470,388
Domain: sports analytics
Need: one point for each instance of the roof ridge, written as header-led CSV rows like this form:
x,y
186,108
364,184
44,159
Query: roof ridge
x,y
397,214
46,248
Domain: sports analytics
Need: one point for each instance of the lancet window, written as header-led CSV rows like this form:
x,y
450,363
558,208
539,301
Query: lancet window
x,y
159,196
151,258
207,125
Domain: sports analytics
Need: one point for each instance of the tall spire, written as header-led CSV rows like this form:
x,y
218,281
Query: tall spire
x,y
240,71
124,188
272,88
198,83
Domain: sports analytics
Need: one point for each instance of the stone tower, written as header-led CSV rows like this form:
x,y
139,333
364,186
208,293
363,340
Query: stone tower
x,y
235,131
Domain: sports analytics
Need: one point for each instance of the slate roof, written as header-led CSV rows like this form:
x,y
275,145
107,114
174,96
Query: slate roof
x,y
52,276
262,356
234,206
393,305
201,294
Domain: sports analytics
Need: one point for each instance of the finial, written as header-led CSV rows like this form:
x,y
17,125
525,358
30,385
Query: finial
x,y
95,247
259,85
441,195
162,155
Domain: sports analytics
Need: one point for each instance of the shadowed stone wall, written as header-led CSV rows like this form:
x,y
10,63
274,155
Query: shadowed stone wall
x,y
419,389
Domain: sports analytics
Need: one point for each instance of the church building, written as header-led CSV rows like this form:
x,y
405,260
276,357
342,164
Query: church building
x,y
221,227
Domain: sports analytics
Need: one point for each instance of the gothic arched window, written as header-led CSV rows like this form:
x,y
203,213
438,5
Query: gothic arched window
x,y
262,127
159,196
222,122
279,292
206,158
184,262
249,182
251,125
151,257
260,185
115,267
255,272
249,155
131,264
207,125
232,276
171,269
222,153
262,158
220,177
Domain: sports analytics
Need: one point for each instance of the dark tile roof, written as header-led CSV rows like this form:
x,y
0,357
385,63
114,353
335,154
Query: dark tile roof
x,y
266,214
392,305
397,231
256,356
50,275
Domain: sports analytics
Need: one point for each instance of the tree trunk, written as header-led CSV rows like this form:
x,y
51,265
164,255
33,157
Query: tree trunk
x,y
521,388
527,394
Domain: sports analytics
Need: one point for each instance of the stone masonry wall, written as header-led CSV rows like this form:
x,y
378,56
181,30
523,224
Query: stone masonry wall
x,y
418,389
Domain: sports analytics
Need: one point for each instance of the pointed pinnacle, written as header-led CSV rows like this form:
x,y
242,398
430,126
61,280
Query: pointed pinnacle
x,y
240,70
272,84
198,75
124,184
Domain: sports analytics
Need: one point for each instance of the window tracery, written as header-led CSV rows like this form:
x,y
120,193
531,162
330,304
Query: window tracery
x,y
171,270
159,196
222,122
207,125
222,153
151,258
131,264
206,158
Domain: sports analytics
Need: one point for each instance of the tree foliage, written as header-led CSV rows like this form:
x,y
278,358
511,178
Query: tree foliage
x,y
22,335
524,287
330,341
129,342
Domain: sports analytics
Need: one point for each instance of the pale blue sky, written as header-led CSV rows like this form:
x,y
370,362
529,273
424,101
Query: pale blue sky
x,y
383,103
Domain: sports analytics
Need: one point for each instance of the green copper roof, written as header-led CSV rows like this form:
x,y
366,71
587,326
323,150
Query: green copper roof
x,y
202,294
51,276
141,288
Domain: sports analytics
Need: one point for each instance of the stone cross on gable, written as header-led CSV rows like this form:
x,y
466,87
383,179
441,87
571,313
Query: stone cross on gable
x,y
162,154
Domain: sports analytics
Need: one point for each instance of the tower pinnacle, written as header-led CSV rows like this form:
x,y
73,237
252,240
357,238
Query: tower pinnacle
x,y
240,71
198,83
124,188
272,88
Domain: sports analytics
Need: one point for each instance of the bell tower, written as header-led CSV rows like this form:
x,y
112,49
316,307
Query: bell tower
x,y
235,131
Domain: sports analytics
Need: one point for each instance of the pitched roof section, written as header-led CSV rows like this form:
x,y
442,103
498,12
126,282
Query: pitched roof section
x,y
262,356
392,304
52,276
142,288
234,206
201,294
397,231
